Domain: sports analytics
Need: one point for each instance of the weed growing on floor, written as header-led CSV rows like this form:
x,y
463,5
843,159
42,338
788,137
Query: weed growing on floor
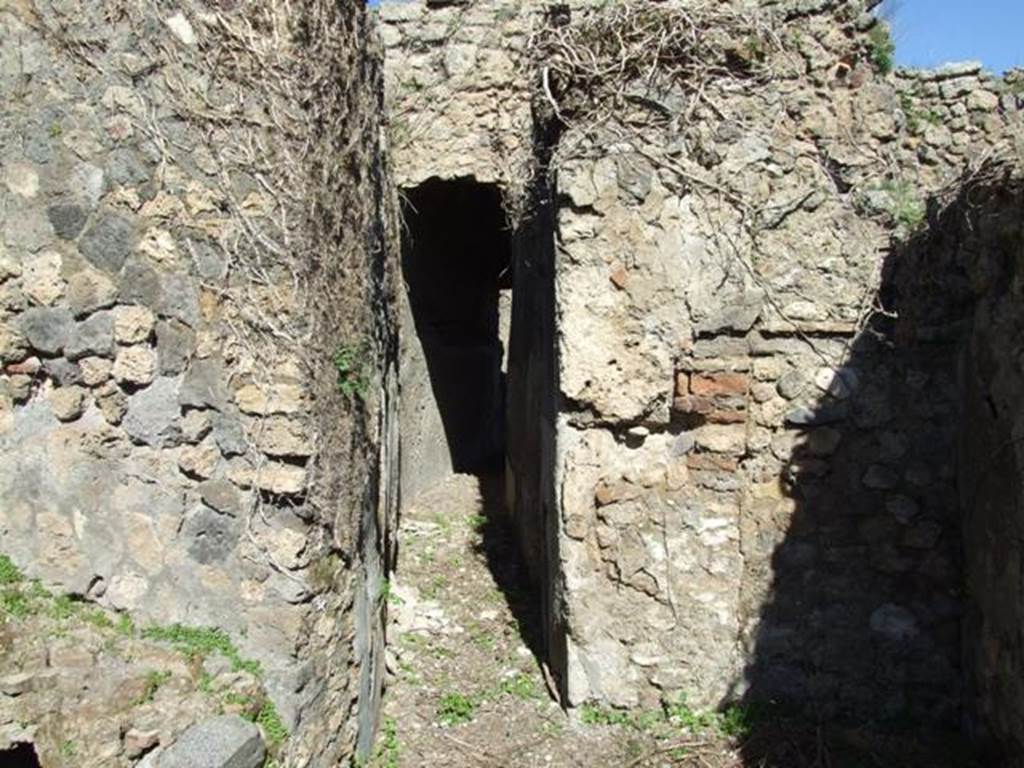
x,y
9,573
521,686
455,709
388,749
735,722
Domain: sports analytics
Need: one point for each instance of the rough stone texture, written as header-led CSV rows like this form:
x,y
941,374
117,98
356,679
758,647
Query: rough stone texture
x,y
86,689
754,483
220,742
174,230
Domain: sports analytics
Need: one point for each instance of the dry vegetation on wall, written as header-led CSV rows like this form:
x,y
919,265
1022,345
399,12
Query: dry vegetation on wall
x,y
288,108
658,79
261,122
591,70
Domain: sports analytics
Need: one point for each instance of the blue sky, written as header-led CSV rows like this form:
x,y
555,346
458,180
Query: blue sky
x,y
932,32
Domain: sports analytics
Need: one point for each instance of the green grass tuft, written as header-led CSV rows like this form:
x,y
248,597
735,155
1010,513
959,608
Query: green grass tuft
x,y
200,642
882,48
274,731
9,573
456,708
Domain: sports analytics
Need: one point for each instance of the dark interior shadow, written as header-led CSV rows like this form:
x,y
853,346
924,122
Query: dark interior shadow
x,y
858,657
19,755
456,254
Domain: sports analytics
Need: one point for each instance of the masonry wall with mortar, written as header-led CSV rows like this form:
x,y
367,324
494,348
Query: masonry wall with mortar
x,y
194,220
756,486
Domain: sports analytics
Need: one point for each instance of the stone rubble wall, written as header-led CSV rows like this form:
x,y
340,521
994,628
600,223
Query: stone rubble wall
x,y
781,524
963,276
194,221
756,475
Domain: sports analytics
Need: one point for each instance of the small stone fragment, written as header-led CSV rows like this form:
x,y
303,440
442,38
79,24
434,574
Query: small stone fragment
x,y
47,330
90,290
112,402
895,622
175,344
91,337
137,742
880,477
95,370
21,179
68,403
67,219
221,496
283,479
275,398
199,461
203,386
135,365
152,415
195,425
133,324
13,344
281,436
158,245
41,279
287,547
108,242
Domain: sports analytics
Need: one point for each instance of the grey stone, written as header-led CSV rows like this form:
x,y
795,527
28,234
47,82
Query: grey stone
x,y
91,337
209,262
903,508
67,219
211,536
180,299
140,284
812,417
127,167
27,228
90,290
739,314
221,496
227,741
792,384
635,174
229,435
203,386
61,371
175,343
152,415
47,330
880,477
108,242
683,444
895,622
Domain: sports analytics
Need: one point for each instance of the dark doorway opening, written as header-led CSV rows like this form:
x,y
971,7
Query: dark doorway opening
x,y
21,755
456,259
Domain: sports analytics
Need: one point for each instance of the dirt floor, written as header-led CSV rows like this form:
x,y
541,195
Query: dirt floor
x,y
466,687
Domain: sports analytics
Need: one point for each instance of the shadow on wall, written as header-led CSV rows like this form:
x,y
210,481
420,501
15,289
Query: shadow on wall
x,y
881,482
